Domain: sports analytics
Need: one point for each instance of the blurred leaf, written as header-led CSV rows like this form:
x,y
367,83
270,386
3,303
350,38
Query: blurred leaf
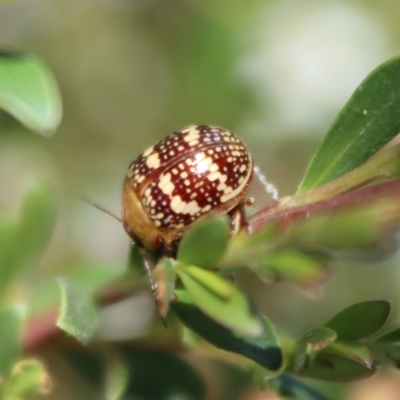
x,y
264,350
336,366
89,364
291,387
161,376
29,92
245,248
386,350
93,276
368,121
354,351
116,380
78,313
233,380
301,268
8,231
165,284
37,220
360,320
314,340
11,320
135,260
205,243
221,300
390,337
29,378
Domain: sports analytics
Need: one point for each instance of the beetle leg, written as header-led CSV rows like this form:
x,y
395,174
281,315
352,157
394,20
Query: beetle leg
x,y
238,217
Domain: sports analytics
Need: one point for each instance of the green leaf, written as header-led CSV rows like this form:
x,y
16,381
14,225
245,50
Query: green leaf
x,y
360,320
291,387
314,340
264,350
337,368
368,121
78,313
11,320
161,376
341,362
135,260
8,232
354,351
117,378
93,276
301,268
221,300
390,337
37,220
205,243
29,92
29,379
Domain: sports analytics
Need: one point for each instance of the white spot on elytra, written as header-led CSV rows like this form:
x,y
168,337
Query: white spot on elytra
x,y
191,133
165,184
153,161
214,176
213,167
182,207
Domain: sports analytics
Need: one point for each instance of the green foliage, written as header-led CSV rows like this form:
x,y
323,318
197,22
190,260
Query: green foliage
x,y
78,313
29,92
264,349
213,234
360,320
366,123
11,319
221,300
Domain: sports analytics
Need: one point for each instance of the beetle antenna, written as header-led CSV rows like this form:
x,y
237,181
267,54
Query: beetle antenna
x,y
95,205
269,187
153,285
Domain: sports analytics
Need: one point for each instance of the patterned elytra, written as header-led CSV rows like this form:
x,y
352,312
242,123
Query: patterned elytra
x,y
195,172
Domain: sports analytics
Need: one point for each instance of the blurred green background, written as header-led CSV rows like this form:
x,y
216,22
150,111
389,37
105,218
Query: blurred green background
x,y
132,71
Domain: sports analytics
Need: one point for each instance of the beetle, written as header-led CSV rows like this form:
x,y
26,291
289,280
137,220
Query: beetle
x,y
193,173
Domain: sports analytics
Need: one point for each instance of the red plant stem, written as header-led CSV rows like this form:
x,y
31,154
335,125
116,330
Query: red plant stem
x,y
284,216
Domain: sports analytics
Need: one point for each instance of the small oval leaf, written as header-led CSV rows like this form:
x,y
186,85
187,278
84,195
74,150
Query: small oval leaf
x,y
368,121
29,92
336,368
37,220
221,300
11,324
78,312
205,243
265,350
314,340
360,320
